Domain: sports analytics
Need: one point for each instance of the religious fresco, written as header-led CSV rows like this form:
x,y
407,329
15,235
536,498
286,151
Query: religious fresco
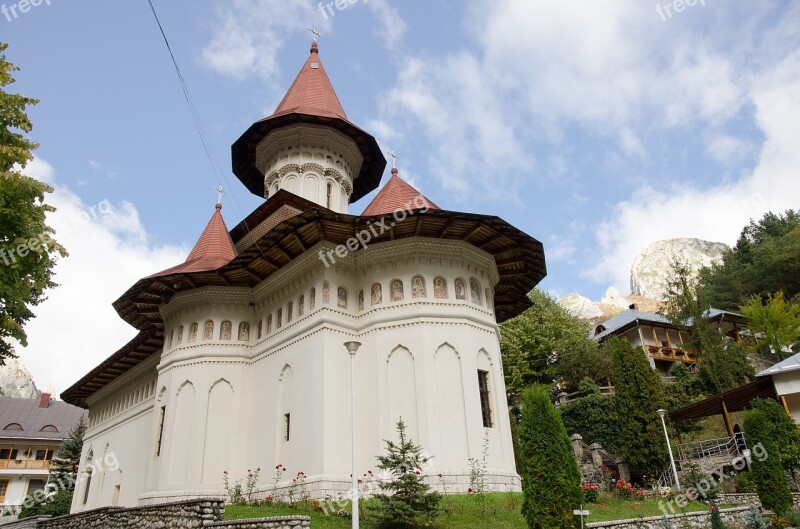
x,y
418,287
326,293
193,333
289,311
377,294
475,287
269,324
208,330
244,332
440,288
180,335
396,288
342,298
301,305
461,289
312,301
260,329
280,318
225,330
361,300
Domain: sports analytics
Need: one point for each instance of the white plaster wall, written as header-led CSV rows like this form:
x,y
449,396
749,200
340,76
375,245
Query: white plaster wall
x,y
120,444
225,399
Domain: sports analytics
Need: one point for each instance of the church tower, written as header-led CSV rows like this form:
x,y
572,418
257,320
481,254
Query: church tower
x,y
308,146
239,362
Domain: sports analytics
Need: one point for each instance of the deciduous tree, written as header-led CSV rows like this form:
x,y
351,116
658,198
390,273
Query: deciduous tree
x,y
27,250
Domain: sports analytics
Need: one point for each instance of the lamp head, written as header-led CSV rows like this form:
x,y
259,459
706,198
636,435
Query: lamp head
x,y
352,347
661,412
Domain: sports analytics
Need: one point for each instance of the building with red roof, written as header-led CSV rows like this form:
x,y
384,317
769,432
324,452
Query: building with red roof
x,y
239,360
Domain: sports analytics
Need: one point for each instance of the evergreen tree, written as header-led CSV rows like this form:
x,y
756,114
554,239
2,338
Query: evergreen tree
x,y
64,467
27,251
407,502
770,479
639,394
783,431
551,480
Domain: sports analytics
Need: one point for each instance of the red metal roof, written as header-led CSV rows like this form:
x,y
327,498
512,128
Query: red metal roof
x,y
312,92
212,250
397,195
310,100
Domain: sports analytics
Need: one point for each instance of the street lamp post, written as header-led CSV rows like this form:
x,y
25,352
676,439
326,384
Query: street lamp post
x,y
662,413
352,347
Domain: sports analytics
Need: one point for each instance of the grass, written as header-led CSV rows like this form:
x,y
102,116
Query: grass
x,y
496,510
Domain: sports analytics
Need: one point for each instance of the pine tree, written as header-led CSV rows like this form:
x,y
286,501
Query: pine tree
x,y
551,480
406,502
770,479
639,394
64,467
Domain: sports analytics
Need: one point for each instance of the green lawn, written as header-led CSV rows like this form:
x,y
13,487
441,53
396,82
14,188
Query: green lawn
x,y
500,510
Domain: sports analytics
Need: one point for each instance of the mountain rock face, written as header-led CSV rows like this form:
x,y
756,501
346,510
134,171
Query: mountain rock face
x,y
580,306
16,381
652,269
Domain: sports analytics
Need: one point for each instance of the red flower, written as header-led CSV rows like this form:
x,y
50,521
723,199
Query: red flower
x,y
417,472
469,490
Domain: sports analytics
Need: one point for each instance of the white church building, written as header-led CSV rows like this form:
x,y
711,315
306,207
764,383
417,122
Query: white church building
x,y
239,362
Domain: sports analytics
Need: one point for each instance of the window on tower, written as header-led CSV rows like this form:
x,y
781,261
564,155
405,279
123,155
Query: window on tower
x,y
161,430
330,195
483,388
287,419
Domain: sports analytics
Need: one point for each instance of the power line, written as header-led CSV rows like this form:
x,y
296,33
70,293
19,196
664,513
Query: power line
x,y
212,159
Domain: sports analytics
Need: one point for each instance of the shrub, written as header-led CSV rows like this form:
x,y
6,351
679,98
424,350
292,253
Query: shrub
x,y
768,474
58,504
550,478
594,417
406,501
783,431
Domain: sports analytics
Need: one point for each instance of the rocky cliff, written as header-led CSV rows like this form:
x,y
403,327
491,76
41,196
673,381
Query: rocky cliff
x,y
652,269
16,381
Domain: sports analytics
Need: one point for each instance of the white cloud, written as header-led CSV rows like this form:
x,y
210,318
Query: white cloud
x,y
76,328
391,26
717,213
249,34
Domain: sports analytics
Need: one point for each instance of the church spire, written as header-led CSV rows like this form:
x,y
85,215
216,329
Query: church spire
x,y
397,195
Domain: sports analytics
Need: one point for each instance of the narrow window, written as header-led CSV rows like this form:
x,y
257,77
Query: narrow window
x,y
287,419
483,387
161,430
330,195
88,486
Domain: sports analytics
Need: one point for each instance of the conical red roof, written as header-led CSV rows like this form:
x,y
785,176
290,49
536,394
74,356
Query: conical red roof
x,y
312,92
212,250
397,195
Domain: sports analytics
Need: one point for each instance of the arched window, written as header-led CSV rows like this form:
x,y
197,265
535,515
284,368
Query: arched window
x,y
49,428
13,427
329,195
280,318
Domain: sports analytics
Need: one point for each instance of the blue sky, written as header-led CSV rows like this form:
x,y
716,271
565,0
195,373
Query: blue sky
x,y
598,128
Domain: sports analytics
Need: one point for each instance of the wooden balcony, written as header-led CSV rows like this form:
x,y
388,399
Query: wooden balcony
x,y
669,353
24,464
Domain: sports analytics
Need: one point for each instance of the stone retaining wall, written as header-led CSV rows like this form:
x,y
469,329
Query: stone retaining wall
x,y
751,498
736,517
207,512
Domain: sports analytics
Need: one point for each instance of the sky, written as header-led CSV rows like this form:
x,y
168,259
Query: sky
x,y
596,127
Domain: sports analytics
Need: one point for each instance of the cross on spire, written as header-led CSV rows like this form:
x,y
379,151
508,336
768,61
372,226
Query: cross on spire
x,y
220,191
395,157
314,31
